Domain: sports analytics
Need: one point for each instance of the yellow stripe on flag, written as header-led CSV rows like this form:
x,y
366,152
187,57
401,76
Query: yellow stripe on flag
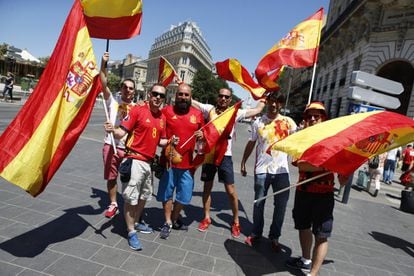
x,y
37,153
118,8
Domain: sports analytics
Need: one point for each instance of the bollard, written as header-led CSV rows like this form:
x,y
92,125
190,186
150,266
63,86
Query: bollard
x,y
347,190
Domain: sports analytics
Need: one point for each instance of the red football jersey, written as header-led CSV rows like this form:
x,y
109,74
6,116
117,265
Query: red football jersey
x,y
147,130
184,127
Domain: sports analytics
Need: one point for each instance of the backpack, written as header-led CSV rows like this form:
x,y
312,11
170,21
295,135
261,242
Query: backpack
x,y
373,163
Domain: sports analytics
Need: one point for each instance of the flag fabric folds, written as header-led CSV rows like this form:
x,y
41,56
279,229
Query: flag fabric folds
x,y
343,144
113,19
299,48
47,127
216,133
166,72
232,70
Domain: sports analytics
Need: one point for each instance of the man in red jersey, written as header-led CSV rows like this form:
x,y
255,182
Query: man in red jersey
x,y
183,122
145,126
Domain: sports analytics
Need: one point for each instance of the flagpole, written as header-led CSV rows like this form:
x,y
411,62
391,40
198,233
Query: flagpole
x,y
227,110
311,87
111,135
316,60
292,186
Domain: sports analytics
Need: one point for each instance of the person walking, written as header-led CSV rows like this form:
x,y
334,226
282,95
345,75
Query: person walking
x,y
270,170
407,157
313,205
8,86
375,170
145,126
389,166
225,169
183,123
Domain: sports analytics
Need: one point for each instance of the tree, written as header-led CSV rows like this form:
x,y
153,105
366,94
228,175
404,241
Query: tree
x,y
44,60
205,86
3,49
113,82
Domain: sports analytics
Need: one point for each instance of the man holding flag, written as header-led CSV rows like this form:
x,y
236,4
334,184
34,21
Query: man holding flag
x,y
225,167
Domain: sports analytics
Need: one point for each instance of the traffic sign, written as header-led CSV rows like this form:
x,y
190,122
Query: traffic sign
x,y
361,108
381,84
365,95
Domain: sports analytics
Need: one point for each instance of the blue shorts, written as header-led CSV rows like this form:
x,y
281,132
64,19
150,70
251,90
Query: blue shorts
x,y
225,171
179,179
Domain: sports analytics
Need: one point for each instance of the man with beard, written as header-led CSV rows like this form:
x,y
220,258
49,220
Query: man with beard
x,y
183,123
145,126
270,170
225,169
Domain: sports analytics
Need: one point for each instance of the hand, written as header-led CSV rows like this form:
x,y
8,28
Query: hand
x,y
108,127
105,57
199,134
243,170
175,140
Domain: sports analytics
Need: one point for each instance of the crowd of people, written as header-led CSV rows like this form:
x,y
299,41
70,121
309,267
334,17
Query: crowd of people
x,y
135,130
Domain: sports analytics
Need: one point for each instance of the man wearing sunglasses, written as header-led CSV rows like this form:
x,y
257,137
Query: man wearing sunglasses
x,y
225,169
118,108
271,170
313,205
145,126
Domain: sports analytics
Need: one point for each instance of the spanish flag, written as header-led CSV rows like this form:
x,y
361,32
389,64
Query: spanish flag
x,y
166,72
113,19
232,70
47,127
299,48
343,144
216,133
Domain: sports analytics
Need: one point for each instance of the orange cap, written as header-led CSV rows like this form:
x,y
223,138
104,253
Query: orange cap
x,y
317,106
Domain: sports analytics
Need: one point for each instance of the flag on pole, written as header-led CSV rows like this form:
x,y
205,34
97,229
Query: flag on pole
x,y
166,72
113,19
47,127
232,70
216,133
343,144
299,48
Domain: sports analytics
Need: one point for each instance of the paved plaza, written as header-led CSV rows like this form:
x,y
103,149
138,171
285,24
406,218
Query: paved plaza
x,y
63,231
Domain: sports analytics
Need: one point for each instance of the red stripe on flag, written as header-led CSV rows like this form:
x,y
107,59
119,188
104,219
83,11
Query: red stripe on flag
x,y
114,28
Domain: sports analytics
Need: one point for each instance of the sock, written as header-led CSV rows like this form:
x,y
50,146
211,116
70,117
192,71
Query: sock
x,y
305,261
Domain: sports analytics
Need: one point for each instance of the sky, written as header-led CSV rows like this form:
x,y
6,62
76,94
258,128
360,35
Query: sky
x,y
240,29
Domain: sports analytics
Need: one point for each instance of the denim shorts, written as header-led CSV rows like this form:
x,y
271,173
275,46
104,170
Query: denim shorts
x,y
225,171
180,180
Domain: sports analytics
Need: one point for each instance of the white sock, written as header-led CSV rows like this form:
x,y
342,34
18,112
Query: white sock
x,y
306,261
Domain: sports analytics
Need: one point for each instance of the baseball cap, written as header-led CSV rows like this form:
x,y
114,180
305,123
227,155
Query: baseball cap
x,y
317,106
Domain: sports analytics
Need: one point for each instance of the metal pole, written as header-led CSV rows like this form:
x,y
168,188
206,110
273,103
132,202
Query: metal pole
x,y
347,190
288,92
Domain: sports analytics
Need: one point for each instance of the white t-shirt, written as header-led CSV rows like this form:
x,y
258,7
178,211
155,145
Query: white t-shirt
x,y
265,132
209,111
117,110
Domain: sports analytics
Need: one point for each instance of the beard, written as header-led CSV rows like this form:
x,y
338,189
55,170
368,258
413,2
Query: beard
x,y
183,105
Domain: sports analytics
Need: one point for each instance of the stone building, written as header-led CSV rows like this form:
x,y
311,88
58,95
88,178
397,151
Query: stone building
x,y
374,36
185,48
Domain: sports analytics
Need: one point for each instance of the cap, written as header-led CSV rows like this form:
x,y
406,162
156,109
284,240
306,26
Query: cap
x,y
317,106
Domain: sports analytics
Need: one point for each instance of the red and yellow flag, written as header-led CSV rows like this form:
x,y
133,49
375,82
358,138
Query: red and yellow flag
x,y
43,133
216,132
166,72
343,144
299,48
113,19
232,70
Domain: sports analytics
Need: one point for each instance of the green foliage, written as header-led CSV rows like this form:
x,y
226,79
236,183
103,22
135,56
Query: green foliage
x,y
3,49
113,82
44,60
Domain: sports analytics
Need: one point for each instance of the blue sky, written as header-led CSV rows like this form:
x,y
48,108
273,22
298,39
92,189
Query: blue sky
x,y
240,29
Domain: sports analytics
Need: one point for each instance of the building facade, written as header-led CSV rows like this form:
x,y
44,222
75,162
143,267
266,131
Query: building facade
x,y
185,48
374,36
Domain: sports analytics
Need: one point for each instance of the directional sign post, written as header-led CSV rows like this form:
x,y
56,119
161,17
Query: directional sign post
x,y
363,91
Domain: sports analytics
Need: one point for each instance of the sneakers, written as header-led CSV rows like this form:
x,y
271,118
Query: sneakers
x,y
165,231
143,228
179,225
112,210
134,242
297,263
250,240
235,230
202,227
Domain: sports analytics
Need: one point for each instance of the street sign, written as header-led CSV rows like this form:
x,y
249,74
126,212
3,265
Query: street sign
x,y
354,108
375,98
381,84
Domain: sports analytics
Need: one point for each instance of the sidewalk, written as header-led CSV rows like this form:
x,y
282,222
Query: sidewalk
x,y
63,231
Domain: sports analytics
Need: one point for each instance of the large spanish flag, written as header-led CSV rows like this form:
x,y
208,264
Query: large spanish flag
x,y
216,133
113,19
166,72
299,48
232,70
47,127
343,144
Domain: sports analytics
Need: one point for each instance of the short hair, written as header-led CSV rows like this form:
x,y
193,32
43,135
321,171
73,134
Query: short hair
x,y
276,97
128,79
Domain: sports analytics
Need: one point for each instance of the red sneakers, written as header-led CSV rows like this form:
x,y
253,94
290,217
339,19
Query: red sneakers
x,y
235,230
202,227
250,240
112,210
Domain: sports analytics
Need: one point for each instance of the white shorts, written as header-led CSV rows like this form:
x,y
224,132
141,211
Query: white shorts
x,y
140,184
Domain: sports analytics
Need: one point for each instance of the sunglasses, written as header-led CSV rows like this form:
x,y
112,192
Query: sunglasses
x,y
315,117
182,94
156,94
130,88
224,96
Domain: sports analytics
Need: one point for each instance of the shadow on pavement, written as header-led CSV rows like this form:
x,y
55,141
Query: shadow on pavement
x,y
394,242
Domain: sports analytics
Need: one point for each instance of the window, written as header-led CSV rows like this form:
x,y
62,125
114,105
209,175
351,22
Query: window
x,y
182,75
343,74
